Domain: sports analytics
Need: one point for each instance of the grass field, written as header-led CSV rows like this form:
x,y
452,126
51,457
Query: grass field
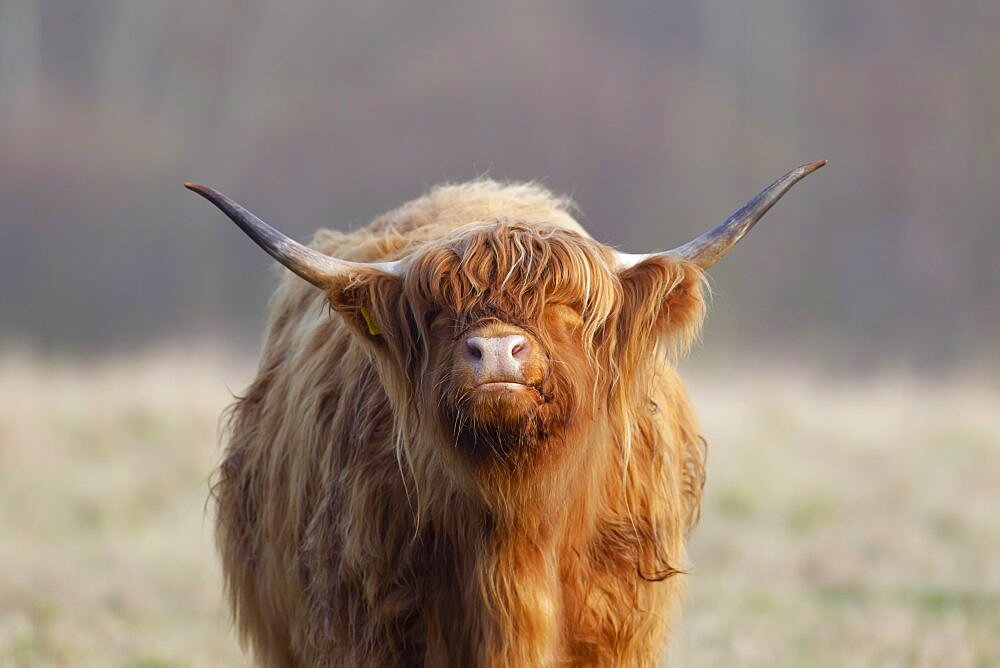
x,y
845,523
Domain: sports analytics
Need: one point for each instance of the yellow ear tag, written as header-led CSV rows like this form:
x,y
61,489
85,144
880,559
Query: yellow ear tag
x,y
372,327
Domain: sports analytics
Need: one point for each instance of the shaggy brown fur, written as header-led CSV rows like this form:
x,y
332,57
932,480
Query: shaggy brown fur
x,y
371,513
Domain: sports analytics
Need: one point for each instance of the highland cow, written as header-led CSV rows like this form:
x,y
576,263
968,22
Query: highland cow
x,y
469,446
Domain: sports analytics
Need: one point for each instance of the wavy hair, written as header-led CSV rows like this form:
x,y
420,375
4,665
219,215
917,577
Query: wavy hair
x,y
352,527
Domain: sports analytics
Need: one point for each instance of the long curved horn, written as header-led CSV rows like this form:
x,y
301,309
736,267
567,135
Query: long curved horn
x,y
709,248
310,264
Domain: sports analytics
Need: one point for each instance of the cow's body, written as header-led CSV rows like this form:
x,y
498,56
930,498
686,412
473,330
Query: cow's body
x,y
335,555
468,446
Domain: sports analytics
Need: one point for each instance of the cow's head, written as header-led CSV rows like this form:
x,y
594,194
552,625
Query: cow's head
x,y
508,343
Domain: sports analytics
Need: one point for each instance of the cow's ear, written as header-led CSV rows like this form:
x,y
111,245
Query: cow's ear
x,y
369,301
663,301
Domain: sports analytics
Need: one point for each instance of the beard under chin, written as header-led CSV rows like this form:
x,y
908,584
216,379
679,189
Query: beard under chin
x,y
501,427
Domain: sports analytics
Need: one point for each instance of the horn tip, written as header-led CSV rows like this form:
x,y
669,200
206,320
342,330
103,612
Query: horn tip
x,y
813,166
196,187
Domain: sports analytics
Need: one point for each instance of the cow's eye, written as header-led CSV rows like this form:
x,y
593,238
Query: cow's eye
x,y
439,322
564,317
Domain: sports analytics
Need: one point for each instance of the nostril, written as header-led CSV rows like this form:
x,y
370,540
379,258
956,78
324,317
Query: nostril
x,y
518,350
473,350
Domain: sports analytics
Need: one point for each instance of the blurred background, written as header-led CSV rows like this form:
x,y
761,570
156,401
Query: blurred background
x,y
847,371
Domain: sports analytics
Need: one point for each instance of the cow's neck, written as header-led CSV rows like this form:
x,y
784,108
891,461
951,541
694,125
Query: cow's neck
x,y
517,574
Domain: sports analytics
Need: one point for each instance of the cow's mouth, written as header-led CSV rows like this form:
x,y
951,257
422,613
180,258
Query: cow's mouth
x,y
500,385
499,408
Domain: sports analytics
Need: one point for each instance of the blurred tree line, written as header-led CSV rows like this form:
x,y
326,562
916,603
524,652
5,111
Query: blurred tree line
x,y
659,118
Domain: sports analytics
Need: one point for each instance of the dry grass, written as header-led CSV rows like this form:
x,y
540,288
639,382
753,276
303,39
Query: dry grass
x,y
847,524
844,524
106,548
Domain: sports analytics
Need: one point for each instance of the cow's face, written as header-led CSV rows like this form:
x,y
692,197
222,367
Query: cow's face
x,y
513,342
506,389
516,322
